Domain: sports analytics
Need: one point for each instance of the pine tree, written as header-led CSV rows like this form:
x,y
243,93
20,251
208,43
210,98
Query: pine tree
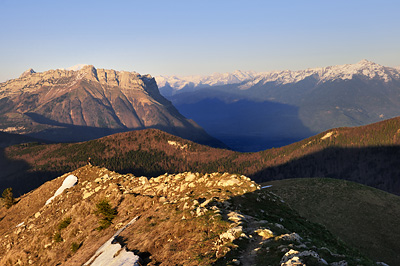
x,y
8,197
106,212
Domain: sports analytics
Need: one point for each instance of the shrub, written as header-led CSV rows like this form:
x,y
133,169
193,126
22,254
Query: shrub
x,y
75,246
106,213
8,198
57,237
64,223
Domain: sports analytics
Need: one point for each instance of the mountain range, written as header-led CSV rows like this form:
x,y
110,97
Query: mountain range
x,y
203,210
174,84
67,105
271,109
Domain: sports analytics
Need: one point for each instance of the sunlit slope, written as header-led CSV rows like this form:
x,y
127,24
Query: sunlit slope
x,y
368,155
173,219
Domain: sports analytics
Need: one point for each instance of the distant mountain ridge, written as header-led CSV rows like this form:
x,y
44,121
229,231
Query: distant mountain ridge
x,y
68,105
293,105
176,84
367,155
249,78
368,69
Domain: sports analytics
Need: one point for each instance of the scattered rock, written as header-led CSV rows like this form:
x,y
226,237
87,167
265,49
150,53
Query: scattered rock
x,y
293,257
87,194
264,233
291,237
190,177
232,233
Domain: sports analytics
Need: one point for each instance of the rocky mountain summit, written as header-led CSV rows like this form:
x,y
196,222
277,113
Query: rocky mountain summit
x,y
181,219
68,105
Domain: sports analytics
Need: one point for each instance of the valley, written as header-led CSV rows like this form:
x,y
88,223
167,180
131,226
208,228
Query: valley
x,y
257,111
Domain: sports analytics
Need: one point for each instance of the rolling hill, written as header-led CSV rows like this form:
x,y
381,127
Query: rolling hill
x,y
368,155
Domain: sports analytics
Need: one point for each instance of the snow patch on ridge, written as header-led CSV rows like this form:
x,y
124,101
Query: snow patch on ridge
x,y
20,224
175,143
111,253
327,135
69,182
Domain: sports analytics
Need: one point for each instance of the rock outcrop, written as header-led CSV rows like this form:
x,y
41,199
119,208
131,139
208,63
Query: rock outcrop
x,y
89,103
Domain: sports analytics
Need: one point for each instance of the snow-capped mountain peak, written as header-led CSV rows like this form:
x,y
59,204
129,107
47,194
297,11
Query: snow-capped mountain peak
x,y
179,82
364,69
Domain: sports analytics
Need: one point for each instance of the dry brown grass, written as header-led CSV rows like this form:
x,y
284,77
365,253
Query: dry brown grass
x,y
159,232
183,219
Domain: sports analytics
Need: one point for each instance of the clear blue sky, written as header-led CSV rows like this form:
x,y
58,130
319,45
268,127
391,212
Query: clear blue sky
x,y
196,37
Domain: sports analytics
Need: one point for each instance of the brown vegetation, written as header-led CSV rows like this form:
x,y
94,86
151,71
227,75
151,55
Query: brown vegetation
x,y
183,219
363,154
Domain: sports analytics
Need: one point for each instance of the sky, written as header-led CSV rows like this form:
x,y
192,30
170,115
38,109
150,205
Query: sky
x,y
196,37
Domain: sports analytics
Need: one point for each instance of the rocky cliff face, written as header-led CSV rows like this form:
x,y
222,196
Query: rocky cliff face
x,y
90,102
181,219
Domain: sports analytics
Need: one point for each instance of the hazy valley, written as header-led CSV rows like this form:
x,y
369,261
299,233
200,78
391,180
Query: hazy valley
x,y
254,111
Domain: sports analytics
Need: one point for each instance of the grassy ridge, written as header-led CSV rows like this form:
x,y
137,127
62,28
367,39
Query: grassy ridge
x,y
363,217
183,219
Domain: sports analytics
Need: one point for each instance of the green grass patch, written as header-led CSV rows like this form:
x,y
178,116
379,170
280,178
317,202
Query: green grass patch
x,y
363,217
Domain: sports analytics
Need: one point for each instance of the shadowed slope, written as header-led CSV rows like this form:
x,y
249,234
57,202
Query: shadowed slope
x,y
364,217
367,155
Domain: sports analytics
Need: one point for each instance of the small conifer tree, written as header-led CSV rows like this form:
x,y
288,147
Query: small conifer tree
x,y
106,212
8,197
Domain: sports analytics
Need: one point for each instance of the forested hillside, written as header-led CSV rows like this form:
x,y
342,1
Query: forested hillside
x,y
368,155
